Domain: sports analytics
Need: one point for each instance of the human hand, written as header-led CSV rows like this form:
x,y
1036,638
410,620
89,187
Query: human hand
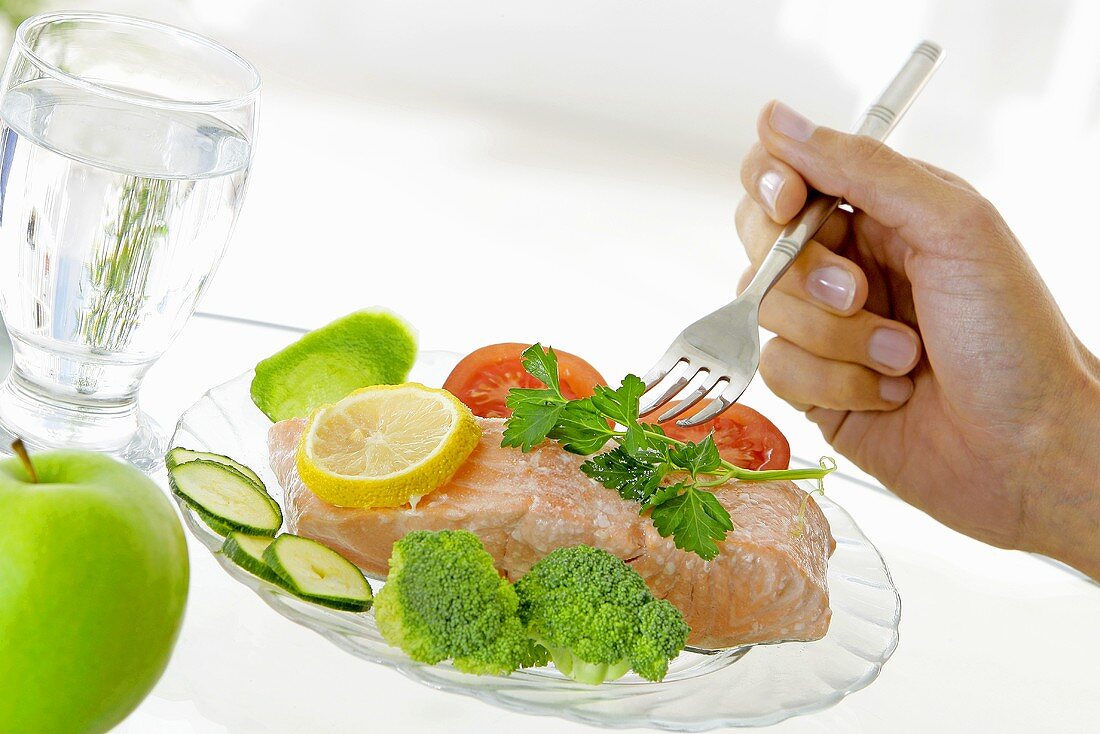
x,y
919,337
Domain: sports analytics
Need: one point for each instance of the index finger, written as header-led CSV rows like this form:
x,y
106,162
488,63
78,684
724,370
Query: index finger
x,y
759,231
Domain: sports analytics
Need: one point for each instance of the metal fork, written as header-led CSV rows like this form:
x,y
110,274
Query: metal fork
x,y
724,347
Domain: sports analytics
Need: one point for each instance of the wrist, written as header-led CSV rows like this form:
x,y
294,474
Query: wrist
x,y
1061,517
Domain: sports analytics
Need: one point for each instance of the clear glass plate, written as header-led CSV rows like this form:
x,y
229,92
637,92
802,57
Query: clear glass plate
x,y
746,686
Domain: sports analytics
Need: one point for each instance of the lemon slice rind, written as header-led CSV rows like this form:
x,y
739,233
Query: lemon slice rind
x,y
345,440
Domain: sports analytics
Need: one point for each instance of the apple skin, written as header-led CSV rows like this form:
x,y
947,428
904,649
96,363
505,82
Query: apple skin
x,y
93,583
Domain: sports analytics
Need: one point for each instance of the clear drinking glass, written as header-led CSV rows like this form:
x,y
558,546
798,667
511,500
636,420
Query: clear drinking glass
x,y
125,147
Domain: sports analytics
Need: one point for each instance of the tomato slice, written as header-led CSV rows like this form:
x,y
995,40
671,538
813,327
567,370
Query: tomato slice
x,y
744,437
483,378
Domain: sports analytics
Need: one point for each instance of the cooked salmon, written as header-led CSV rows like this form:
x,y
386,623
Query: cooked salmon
x,y
767,583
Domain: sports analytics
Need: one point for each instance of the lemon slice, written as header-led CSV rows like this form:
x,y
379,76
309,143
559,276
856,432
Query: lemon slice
x,y
381,446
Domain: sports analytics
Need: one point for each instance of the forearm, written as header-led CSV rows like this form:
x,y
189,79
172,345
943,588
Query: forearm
x,y
1062,516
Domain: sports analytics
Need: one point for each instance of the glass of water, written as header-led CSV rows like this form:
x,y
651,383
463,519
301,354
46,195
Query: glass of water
x,y
125,147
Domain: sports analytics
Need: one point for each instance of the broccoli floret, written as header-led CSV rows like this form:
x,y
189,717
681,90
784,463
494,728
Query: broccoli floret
x,y
597,618
583,608
511,649
661,636
444,600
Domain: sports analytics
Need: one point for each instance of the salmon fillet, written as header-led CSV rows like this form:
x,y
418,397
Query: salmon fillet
x,y
767,584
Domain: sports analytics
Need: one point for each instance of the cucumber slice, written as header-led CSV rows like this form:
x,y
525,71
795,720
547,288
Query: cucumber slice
x,y
213,522
247,551
317,573
180,455
225,499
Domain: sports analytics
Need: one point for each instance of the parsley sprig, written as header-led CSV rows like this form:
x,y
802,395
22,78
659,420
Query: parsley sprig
x,y
643,456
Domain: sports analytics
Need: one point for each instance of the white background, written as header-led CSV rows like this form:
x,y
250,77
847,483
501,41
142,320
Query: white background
x,y
509,170
567,171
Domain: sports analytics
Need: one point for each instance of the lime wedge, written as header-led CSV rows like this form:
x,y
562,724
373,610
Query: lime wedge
x,y
362,349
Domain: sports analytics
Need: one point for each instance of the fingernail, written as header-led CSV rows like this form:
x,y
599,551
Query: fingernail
x,y
770,184
892,348
786,121
895,389
832,285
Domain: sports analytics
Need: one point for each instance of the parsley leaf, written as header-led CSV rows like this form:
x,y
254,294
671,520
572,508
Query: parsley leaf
x,y
620,405
662,495
520,395
639,443
696,520
535,411
581,429
697,458
533,418
634,480
542,365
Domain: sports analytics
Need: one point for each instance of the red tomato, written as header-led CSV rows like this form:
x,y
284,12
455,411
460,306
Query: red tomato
x,y
483,378
744,437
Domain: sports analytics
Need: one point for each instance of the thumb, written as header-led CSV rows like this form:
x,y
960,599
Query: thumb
x,y
893,190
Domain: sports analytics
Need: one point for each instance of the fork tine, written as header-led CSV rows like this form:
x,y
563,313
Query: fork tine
x,y
657,372
667,394
716,407
696,395
725,399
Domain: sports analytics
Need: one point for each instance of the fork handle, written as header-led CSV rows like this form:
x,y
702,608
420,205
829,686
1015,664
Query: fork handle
x,y
877,123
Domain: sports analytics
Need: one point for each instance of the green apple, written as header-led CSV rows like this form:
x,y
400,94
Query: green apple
x,y
93,582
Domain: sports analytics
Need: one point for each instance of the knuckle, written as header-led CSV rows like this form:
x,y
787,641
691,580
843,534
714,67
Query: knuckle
x,y
951,178
862,147
751,224
830,337
775,316
976,214
960,181
844,386
864,163
857,151
986,215
741,216
855,388
771,352
866,192
772,363
786,314
750,164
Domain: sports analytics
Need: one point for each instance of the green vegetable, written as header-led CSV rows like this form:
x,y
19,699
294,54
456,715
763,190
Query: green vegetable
x,y
225,499
247,551
444,600
361,349
180,455
317,573
643,457
597,618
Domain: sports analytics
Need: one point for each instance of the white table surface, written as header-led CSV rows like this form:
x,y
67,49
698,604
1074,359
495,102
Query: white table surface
x,y
446,159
